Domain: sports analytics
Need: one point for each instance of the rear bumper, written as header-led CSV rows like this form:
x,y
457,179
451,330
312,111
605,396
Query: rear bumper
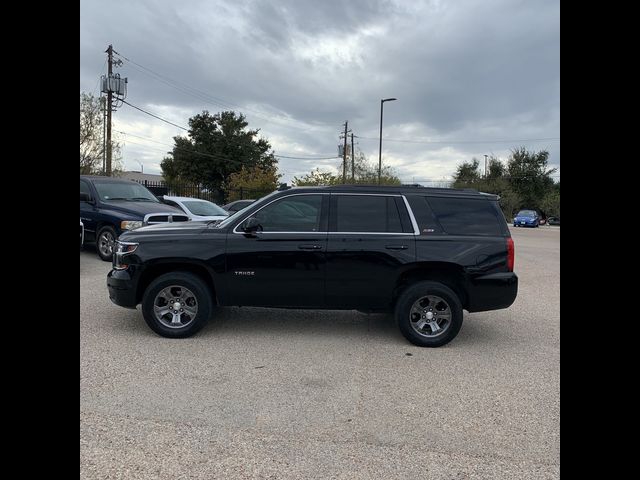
x,y
122,288
492,292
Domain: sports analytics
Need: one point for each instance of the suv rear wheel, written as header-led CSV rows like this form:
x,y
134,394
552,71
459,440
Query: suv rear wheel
x,y
177,304
429,314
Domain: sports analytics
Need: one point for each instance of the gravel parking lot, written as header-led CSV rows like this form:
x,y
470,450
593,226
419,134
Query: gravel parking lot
x,y
265,393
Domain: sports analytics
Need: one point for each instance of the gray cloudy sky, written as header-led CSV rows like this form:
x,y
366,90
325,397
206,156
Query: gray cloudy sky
x,y
463,71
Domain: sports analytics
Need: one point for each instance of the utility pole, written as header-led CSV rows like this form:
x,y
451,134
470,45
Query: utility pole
x,y
380,146
103,104
109,104
353,163
344,154
485,165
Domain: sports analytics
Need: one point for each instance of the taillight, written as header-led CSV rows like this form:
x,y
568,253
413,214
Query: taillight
x,y
511,254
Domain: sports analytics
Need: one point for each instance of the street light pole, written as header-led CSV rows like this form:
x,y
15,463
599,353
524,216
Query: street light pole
x,y
380,146
485,165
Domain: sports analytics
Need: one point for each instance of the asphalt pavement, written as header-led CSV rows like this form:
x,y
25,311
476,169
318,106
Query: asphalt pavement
x,y
267,393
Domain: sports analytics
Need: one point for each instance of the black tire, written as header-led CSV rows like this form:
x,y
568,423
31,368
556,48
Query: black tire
x,y
104,234
415,292
202,295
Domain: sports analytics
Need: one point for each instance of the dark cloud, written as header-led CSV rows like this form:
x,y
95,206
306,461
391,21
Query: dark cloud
x,y
462,70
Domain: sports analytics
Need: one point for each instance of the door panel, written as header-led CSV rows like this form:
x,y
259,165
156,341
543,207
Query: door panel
x,y
276,269
88,213
283,265
362,267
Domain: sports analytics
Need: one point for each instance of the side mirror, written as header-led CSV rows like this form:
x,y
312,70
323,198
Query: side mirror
x,y
85,197
251,225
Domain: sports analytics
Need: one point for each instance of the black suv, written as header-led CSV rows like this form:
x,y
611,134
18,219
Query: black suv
x,y
109,206
424,253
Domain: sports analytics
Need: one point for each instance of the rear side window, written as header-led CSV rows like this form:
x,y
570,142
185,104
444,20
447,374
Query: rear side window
x,y
460,216
365,213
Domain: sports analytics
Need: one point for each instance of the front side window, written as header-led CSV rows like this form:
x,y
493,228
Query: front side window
x,y
299,213
84,188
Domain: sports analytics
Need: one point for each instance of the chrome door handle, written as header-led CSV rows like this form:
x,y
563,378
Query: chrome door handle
x,y
309,247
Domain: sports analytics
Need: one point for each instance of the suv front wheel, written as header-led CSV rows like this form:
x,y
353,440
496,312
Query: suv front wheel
x,y
429,314
105,242
177,304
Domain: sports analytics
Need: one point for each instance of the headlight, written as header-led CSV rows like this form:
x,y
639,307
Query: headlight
x,y
122,249
130,225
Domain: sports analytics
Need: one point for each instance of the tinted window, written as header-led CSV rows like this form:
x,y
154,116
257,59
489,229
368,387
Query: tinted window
x,y
366,213
236,207
171,203
299,213
84,188
426,220
526,213
203,207
124,191
460,216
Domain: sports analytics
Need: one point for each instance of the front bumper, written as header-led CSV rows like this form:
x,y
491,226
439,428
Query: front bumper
x,y
122,288
492,292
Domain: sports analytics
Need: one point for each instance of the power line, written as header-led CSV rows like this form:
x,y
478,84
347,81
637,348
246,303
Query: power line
x,y
155,116
219,156
200,95
462,141
307,158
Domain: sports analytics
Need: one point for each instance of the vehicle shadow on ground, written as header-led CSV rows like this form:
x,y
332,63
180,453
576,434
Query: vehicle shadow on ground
x,y
253,323
313,323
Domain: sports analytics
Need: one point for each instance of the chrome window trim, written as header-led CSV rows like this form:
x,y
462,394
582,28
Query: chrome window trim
x,y
416,231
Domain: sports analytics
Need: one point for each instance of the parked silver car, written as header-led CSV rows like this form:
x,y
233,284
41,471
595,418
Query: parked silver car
x,y
196,208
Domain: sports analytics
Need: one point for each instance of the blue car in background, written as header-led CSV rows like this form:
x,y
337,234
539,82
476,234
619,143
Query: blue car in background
x,y
526,218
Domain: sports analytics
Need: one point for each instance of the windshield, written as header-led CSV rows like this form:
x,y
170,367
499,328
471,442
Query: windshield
x,y
526,213
124,191
203,207
239,213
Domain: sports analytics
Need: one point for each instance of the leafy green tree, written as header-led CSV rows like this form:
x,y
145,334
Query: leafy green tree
x,y
363,172
216,146
529,176
91,138
551,203
495,169
525,181
316,178
467,174
255,182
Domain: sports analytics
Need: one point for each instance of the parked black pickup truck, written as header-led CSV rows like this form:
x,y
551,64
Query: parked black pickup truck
x,y
110,206
424,253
